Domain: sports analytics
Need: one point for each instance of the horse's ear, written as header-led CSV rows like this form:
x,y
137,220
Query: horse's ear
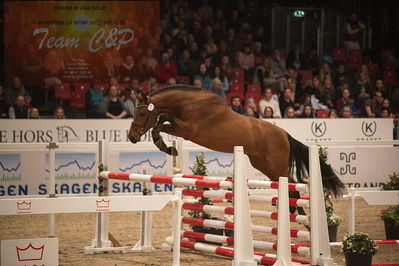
x,y
138,95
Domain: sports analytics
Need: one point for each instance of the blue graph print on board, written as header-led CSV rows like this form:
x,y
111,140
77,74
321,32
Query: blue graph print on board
x,y
217,163
10,167
133,162
74,166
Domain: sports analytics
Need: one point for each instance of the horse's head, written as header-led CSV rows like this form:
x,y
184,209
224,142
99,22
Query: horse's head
x,y
144,118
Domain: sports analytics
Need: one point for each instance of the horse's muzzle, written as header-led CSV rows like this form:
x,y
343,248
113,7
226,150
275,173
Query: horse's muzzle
x,y
133,139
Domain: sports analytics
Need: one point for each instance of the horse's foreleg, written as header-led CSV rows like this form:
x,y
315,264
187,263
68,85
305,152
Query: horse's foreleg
x,y
157,138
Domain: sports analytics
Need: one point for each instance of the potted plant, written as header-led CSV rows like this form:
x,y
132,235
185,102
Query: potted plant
x,y
333,220
390,216
358,249
199,168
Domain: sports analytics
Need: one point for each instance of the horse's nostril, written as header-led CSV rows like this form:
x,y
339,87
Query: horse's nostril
x,y
132,139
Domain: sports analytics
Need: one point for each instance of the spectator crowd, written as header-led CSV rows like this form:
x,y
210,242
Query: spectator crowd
x,y
220,50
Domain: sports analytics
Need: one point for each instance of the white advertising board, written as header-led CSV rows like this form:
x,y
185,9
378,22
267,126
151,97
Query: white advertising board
x,y
92,130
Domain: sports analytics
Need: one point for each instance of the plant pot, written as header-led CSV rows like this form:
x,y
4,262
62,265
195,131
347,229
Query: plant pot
x,y
391,231
332,233
355,259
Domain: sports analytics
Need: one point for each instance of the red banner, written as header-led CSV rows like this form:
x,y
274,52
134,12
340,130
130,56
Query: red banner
x,y
76,41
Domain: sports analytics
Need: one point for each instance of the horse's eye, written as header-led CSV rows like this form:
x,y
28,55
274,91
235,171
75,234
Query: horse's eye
x,y
142,114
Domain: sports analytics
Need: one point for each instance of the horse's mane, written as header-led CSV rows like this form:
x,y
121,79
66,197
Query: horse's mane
x,y
207,99
177,87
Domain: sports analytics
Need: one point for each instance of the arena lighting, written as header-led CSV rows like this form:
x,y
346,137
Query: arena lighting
x,y
299,13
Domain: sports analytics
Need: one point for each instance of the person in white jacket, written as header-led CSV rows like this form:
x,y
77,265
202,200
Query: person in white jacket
x,y
268,100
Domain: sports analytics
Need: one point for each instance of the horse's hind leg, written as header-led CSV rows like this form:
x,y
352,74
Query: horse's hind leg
x,y
259,165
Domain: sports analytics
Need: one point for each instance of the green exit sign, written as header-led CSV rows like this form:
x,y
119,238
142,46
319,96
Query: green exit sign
x,y
299,13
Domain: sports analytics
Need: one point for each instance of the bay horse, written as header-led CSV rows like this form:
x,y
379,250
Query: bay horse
x,y
205,118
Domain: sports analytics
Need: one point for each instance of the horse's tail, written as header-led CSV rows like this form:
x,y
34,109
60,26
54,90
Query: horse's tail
x,y
299,158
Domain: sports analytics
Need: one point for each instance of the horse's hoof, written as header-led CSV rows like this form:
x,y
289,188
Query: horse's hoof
x,y
172,151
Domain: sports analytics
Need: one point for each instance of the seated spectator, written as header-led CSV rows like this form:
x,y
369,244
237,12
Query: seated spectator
x,y
197,83
250,112
153,86
268,113
285,99
235,104
165,69
386,104
293,76
171,81
134,85
346,112
346,100
205,79
94,96
151,61
112,106
259,56
307,112
34,113
246,59
265,77
289,112
294,59
333,114
384,113
19,109
128,69
59,113
327,95
364,69
380,86
218,73
340,75
362,83
217,88
372,106
131,103
325,71
268,101
17,88
250,104
3,105
186,65
226,67
144,70
277,64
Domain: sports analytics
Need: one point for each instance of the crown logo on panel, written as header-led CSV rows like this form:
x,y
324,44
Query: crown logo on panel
x,y
24,207
102,205
30,253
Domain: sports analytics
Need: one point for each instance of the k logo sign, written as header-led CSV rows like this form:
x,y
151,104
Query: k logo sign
x,y
319,128
369,128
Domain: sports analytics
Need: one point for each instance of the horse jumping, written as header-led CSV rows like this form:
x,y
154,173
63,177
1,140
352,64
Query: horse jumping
x,y
206,119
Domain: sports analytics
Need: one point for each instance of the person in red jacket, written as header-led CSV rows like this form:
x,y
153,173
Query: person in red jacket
x,y
165,69
352,37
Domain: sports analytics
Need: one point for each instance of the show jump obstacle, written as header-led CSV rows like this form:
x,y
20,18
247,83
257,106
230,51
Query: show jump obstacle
x,y
243,252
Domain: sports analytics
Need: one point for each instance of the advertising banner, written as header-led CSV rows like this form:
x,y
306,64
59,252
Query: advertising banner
x,y
76,41
93,130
